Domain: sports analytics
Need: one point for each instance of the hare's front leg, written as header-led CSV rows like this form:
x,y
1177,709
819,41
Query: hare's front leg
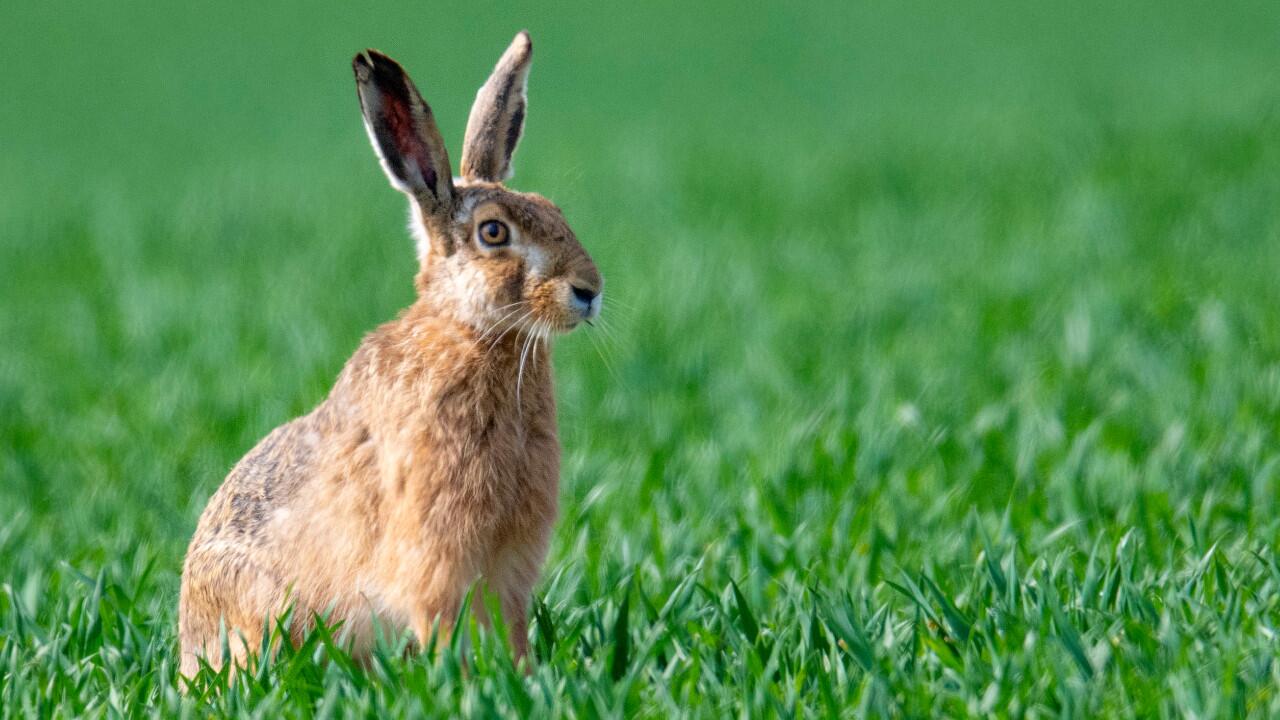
x,y
435,598
511,576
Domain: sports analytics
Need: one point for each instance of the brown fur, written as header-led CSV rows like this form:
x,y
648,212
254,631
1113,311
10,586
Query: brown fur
x,y
434,461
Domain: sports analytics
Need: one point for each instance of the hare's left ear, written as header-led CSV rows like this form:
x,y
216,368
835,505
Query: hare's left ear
x,y
403,132
497,117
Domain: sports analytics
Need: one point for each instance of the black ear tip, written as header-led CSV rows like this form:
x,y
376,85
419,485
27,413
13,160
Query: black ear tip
x,y
373,65
362,64
371,58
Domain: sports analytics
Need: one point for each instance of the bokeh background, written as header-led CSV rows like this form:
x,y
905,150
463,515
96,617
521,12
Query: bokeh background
x,y
900,296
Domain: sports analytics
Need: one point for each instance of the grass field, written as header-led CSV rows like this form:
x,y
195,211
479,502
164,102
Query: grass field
x,y
941,373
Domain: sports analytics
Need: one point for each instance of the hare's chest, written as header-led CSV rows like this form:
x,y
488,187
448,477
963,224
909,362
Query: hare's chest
x,y
514,483
490,462
517,470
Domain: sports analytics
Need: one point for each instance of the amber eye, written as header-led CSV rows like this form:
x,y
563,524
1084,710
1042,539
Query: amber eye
x,y
493,233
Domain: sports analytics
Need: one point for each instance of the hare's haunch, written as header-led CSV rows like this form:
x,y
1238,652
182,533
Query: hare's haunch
x,y
433,462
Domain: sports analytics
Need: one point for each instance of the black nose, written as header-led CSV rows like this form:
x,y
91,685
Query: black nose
x,y
584,294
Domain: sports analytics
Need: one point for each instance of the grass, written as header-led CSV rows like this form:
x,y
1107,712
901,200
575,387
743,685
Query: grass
x,y
942,374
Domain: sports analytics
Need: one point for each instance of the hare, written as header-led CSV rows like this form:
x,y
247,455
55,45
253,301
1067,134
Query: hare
x,y
434,461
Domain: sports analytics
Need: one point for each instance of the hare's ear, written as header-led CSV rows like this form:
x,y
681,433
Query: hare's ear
x,y
497,117
403,132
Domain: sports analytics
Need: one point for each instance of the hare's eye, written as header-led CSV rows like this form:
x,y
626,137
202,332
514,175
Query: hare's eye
x,y
493,233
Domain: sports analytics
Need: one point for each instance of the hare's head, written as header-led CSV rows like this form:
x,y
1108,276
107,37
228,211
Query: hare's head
x,y
490,256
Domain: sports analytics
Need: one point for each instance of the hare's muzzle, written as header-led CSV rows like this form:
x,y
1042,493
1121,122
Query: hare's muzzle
x,y
586,301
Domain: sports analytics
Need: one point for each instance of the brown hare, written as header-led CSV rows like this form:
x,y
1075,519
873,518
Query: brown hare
x,y
434,461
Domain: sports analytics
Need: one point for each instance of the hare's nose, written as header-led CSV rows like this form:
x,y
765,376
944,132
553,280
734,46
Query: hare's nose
x,y
586,300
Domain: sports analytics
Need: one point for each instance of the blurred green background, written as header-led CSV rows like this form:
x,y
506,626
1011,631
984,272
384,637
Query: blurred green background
x,y
897,293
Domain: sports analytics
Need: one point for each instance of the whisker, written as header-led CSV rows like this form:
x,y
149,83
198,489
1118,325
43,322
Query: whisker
x,y
500,320
537,334
545,332
504,307
488,332
503,334
520,375
608,335
615,299
618,306
604,358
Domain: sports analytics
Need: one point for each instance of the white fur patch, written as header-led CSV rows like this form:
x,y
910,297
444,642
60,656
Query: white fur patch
x,y
418,229
536,260
471,290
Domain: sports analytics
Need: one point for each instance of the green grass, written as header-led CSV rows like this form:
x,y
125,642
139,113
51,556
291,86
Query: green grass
x,y
942,374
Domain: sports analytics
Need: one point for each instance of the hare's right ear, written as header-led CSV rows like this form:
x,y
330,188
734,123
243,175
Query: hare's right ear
x,y
497,116
403,132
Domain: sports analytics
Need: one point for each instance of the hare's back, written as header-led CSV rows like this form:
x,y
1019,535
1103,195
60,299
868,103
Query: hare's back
x,y
265,480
